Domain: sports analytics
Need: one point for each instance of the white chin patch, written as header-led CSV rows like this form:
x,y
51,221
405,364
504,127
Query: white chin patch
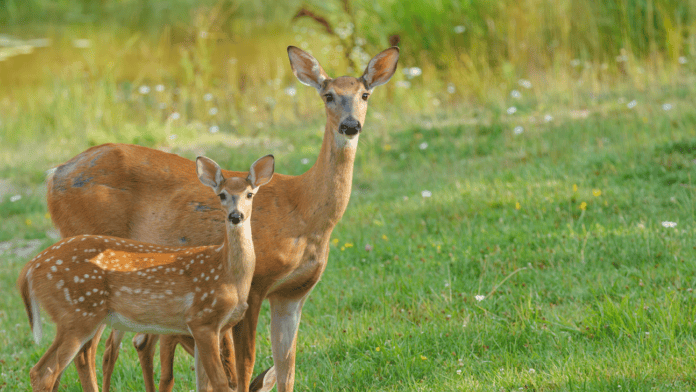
x,y
343,141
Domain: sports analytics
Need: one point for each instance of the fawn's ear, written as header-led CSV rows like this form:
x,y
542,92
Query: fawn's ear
x,y
209,173
261,171
306,68
381,68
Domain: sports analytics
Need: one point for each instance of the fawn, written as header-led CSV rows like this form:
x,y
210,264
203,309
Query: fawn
x,y
87,281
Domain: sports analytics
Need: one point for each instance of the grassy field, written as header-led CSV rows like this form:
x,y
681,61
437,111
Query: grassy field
x,y
514,224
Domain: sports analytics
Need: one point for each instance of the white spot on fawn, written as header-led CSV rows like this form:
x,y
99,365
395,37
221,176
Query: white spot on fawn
x,y
59,262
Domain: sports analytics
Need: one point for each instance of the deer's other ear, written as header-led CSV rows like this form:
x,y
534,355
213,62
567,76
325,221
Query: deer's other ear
x,y
261,171
306,68
381,68
209,172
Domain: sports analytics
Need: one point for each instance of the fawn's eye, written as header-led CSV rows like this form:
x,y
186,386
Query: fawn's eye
x,y
223,196
250,195
329,97
365,96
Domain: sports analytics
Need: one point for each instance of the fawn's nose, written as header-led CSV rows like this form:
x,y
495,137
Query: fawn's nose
x,y
350,127
236,217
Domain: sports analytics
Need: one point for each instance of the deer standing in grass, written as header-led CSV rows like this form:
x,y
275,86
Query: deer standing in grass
x,y
155,199
87,281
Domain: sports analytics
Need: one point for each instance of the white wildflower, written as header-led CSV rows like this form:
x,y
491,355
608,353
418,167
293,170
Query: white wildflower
x,y
525,83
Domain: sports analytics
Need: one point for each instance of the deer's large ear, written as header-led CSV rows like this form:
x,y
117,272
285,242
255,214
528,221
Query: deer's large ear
x,y
306,68
261,171
381,68
209,172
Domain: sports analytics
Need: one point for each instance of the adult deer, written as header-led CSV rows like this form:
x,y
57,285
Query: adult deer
x,y
153,197
87,281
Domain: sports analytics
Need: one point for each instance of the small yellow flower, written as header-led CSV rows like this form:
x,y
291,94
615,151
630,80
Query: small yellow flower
x,y
335,241
348,244
517,205
47,216
377,349
575,187
384,237
28,222
596,192
423,357
387,147
342,249
583,206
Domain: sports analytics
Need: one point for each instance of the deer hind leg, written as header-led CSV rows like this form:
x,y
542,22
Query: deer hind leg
x,y
111,350
46,373
86,361
145,346
167,349
285,319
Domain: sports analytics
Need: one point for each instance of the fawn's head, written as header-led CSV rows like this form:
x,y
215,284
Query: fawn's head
x,y
236,193
345,97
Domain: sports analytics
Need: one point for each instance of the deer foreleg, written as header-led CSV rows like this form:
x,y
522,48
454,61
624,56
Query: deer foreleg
x,y
285,320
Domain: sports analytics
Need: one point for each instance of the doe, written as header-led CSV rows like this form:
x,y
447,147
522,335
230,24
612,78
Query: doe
x,y
87,281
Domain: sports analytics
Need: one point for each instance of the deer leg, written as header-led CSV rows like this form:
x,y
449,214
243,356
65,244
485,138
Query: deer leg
x,y
86,363
167,348
207,357
145,346
45,374
285,319
244,334
111,349
227,357
264,381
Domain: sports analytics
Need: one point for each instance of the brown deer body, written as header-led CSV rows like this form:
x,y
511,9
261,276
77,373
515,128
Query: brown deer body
x,y
86,281
292,222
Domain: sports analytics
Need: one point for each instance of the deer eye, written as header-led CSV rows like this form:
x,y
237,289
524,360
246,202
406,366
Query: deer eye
x,y
250,195
365,96
223,196
329,97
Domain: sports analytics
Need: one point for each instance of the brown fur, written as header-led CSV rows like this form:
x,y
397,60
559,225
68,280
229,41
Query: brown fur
x,y
293,215
86,281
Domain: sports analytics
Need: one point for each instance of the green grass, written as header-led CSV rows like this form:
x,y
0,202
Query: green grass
x,y
575,299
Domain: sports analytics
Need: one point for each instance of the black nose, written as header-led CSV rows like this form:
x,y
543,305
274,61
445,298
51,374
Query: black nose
x,y
236,217
350,127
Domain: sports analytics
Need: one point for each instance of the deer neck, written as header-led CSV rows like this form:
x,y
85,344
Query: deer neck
x,y
327,185
237,255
